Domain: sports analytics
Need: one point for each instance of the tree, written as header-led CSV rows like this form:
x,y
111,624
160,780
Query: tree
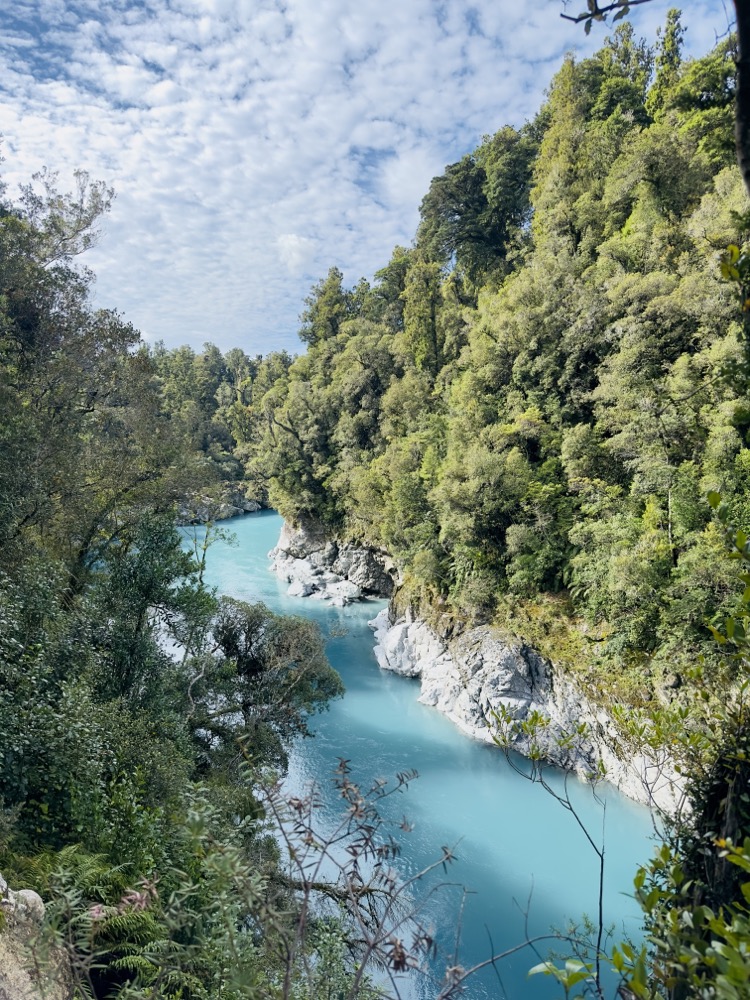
x,y
668,61
422,297
268,675
390,282
328,306
81,406
598,12
477,206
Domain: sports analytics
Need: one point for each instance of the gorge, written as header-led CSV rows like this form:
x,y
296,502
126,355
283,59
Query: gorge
x,y
471,674
528,432
516,848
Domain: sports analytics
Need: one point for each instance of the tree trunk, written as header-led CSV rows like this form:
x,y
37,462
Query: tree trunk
x,y
742,109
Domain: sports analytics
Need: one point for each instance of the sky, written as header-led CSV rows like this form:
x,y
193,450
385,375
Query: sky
x,y
254,144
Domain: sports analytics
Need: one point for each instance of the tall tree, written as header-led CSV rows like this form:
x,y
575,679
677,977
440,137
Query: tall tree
x,y
328,306
598,12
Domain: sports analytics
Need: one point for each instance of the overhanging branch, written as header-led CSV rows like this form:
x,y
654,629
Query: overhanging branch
x,y
597,12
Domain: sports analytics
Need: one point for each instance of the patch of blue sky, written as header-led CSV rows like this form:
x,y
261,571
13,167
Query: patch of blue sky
x,y
352,64
369,162
26,39
440,12
473,22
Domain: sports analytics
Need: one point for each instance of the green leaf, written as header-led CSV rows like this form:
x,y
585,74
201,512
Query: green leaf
x,y
547,968
575,965
718,637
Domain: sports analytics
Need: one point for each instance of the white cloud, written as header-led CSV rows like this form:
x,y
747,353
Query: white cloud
x,y
255,143
297,252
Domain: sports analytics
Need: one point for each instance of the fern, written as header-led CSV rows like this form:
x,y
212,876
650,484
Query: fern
x,y
69,868
130,928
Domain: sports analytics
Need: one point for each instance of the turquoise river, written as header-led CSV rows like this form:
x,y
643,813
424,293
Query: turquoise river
x,y
522,859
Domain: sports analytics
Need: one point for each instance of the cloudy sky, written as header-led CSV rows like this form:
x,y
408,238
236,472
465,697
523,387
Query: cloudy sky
x,y
253,144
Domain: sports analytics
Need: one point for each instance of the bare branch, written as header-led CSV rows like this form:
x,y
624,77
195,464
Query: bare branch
x,y
599,13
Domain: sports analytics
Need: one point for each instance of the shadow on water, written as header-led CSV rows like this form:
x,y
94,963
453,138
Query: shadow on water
x,y
516,849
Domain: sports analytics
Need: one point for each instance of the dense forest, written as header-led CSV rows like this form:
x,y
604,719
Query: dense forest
x,y
528,408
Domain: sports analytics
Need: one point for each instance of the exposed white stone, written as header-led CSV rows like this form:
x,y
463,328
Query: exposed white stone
x,y
345,591
231,502
29,906
23,906
318,567
24,912
481,672
476,674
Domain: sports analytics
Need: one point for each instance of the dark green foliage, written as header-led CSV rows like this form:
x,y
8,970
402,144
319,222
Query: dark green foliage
x,y
695,893
129,694
476,209
328,306
543,389
269,676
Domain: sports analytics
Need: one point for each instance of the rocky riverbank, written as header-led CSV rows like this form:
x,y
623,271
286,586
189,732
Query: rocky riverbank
x,y
471,676
480,672
315,566
230,502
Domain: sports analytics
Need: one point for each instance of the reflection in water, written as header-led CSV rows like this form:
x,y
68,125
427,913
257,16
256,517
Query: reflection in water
x,y
522,859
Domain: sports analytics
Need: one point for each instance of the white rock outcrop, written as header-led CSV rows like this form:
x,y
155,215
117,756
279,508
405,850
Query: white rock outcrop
x,y
20,977
25,905
232,502
315,566
480,672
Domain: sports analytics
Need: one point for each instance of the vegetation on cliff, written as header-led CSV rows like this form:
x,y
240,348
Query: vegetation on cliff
x,y
528,407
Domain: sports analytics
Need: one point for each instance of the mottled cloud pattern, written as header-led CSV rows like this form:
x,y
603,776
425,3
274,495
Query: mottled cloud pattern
x,y
255,143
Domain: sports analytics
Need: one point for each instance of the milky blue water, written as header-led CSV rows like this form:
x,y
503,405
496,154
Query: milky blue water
x,y
522,858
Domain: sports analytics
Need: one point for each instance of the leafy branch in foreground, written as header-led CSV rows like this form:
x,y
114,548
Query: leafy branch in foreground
x,y
334,919
384,927
507,729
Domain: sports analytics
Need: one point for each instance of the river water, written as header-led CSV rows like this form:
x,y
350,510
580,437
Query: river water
x,y
522,858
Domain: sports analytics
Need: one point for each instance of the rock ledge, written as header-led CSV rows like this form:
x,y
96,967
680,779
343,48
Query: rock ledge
x,y
23,913
316,566
481,672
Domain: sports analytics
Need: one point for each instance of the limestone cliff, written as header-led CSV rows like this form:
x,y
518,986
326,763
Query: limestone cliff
x,y
317,566
230,502
476,673
480,672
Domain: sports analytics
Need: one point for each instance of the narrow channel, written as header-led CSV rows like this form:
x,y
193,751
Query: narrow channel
x,y
522,859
